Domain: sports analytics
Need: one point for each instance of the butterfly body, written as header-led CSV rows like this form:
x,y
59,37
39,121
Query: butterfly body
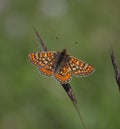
x,y
61,59
60,65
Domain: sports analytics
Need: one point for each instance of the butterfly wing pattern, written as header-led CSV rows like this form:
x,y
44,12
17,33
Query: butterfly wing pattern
x,y
46,62
80,68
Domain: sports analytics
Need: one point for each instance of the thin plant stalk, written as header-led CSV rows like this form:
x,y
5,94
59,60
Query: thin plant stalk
x,y
66,87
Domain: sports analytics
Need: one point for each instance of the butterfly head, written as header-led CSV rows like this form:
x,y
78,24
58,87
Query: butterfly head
x,y
64,52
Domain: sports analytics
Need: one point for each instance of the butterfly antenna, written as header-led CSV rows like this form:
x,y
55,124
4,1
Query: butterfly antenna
x,y
69,92
40,39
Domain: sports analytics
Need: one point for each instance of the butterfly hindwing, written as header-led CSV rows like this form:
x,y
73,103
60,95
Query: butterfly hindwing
x,y
48,70
64,74
79,67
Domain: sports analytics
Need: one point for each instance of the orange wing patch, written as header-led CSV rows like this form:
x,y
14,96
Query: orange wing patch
x,y
80,68
64,75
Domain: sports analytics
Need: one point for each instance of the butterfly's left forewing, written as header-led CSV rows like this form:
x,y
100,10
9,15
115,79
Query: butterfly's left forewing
x,y
79,67
41,59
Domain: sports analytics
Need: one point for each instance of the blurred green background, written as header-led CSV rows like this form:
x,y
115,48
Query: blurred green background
x,y
29,100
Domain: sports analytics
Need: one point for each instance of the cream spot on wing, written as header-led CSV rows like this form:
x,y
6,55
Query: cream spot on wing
x,y
45,62
86,65
36,55
45,54
74,69
77,63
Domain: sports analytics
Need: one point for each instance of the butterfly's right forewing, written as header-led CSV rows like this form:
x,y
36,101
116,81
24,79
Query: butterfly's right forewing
x,y
80,68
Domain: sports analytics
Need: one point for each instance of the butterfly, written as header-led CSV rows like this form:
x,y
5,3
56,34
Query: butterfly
x,y
60,65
